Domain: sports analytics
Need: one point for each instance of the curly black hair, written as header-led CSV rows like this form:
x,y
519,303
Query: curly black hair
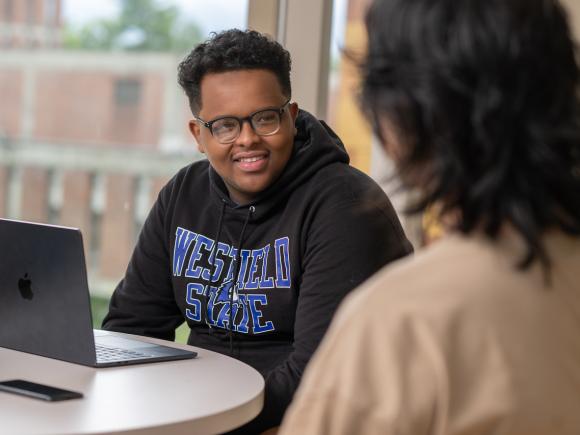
x,y
233,50
484,95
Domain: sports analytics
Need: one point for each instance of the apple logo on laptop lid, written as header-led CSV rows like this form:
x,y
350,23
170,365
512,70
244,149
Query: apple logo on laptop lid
x,y
25,287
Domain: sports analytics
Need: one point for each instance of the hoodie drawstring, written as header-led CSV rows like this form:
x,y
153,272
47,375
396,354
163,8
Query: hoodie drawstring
x,y
251,210
212,259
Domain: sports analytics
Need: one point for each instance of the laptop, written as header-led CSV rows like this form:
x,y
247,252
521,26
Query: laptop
x,y
45,304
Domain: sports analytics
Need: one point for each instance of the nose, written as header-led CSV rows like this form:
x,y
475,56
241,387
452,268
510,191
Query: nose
x,y
247,135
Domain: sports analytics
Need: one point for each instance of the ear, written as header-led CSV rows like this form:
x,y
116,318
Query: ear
x,y
293,108
195,130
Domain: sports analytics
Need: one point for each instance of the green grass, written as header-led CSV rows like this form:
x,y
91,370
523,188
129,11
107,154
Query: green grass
x,y
100,307
182,333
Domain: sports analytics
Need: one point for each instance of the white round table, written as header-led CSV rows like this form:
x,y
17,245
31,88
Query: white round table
x,y
210,394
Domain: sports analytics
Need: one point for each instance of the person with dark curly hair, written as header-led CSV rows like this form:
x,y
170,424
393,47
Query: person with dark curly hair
x,y
477,102
256,246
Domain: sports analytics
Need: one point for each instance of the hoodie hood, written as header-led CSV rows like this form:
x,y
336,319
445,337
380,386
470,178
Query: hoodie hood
x,y
315,146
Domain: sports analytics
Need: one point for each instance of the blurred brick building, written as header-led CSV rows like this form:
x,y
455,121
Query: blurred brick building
x,y
87,139
30,23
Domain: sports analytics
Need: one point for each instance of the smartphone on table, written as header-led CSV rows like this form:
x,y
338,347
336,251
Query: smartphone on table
x,y
38,391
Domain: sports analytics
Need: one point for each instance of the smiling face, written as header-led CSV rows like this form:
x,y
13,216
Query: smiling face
x,y
251,163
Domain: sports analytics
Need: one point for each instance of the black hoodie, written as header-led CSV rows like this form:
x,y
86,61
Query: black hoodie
x,y
315,234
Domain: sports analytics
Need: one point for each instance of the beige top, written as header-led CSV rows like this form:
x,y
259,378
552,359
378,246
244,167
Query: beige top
x,y
453,341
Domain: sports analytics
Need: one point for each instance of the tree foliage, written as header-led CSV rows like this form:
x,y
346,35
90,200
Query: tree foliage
x,y
142,25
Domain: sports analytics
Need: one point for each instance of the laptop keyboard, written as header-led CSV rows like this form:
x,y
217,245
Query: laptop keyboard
x,y
111,354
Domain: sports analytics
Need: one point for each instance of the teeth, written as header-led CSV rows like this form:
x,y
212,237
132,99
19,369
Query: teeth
x,y
250,159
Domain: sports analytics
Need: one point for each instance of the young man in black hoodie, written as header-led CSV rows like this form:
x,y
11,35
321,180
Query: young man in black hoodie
x,y
256,246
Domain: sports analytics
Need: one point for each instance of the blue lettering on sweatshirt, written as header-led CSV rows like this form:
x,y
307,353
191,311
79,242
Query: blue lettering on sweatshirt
x,y
219,302
282,249
242,324
257,314
266,282
193,313
245,256
211,267
183,239
253,281
204,243
216,261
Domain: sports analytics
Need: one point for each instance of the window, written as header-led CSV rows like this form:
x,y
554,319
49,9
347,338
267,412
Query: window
x,y
127,92
50,12
8,10
90,133
31,12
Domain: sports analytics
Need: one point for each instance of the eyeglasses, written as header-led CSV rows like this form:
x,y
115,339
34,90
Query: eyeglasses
x,y
265,122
